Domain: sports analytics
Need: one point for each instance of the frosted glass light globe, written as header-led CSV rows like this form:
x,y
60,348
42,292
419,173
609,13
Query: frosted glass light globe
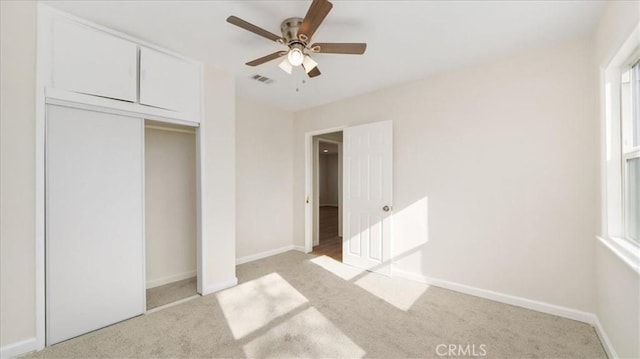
x,y
295,57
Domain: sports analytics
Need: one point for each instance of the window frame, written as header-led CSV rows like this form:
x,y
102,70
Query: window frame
x,y
625,196
614,167
629,149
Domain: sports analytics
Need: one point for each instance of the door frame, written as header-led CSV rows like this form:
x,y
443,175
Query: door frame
x,y
309,196
316,187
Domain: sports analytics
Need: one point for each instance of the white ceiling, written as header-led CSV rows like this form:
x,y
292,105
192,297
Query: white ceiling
x,y
407,40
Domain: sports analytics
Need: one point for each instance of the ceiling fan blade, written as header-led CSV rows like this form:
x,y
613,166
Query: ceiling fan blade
x,y
315,72
253,28
267,58
339,48
318,10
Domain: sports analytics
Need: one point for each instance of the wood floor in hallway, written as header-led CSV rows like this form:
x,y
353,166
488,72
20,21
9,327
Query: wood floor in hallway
x,y
330,244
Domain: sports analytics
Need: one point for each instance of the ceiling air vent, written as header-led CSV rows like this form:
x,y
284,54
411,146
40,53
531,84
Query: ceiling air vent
x,y
263,79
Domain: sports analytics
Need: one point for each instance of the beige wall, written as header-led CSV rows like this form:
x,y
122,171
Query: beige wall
x,y
618,302
264,170
617,285
618,20
494,173
219,207
170,205
17,181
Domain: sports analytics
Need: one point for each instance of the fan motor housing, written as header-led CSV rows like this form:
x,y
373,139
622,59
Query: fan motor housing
x,y
289,29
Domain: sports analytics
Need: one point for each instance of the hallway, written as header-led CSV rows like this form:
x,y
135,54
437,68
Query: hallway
x,y
330,244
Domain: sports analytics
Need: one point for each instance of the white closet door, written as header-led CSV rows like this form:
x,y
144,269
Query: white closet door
x,y
94,220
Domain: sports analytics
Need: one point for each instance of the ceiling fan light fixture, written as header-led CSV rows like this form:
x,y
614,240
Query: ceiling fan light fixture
x,y
296,35
308,63
286,66
295,56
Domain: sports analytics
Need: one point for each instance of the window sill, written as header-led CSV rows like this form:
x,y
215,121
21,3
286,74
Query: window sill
x,y
626,251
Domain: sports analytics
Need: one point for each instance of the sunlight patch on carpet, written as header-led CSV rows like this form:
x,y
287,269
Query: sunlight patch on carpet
x,y
308,334
252,305
400,293
341,270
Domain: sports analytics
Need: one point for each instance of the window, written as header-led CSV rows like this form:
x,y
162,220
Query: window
x,y
630,115
621,153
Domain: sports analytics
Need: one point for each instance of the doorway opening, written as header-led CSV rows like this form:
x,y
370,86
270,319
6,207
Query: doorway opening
x,y
171,230
366,193
327,195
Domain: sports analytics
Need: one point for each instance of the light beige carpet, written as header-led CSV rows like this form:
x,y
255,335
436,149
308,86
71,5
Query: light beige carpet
x,y
297,305
171,292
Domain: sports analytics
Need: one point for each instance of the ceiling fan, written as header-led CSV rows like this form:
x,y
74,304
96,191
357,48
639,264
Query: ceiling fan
x,y
296,34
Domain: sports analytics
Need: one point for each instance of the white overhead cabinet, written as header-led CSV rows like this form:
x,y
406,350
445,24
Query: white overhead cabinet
x,y
92,62
169,82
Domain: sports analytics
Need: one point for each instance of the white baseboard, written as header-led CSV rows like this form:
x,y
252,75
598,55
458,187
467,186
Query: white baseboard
x,y
265,254
216,287
19,348
543,307
170,279
299,249
604,339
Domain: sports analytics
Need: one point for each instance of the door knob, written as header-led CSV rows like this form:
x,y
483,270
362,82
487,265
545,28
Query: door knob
x,y
386,208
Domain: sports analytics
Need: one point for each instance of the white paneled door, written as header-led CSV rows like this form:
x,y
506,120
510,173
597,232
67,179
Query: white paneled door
x,y
94,221
367,190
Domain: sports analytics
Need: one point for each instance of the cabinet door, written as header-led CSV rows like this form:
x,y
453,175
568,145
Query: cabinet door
x,y
169,82
89,61
94,221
